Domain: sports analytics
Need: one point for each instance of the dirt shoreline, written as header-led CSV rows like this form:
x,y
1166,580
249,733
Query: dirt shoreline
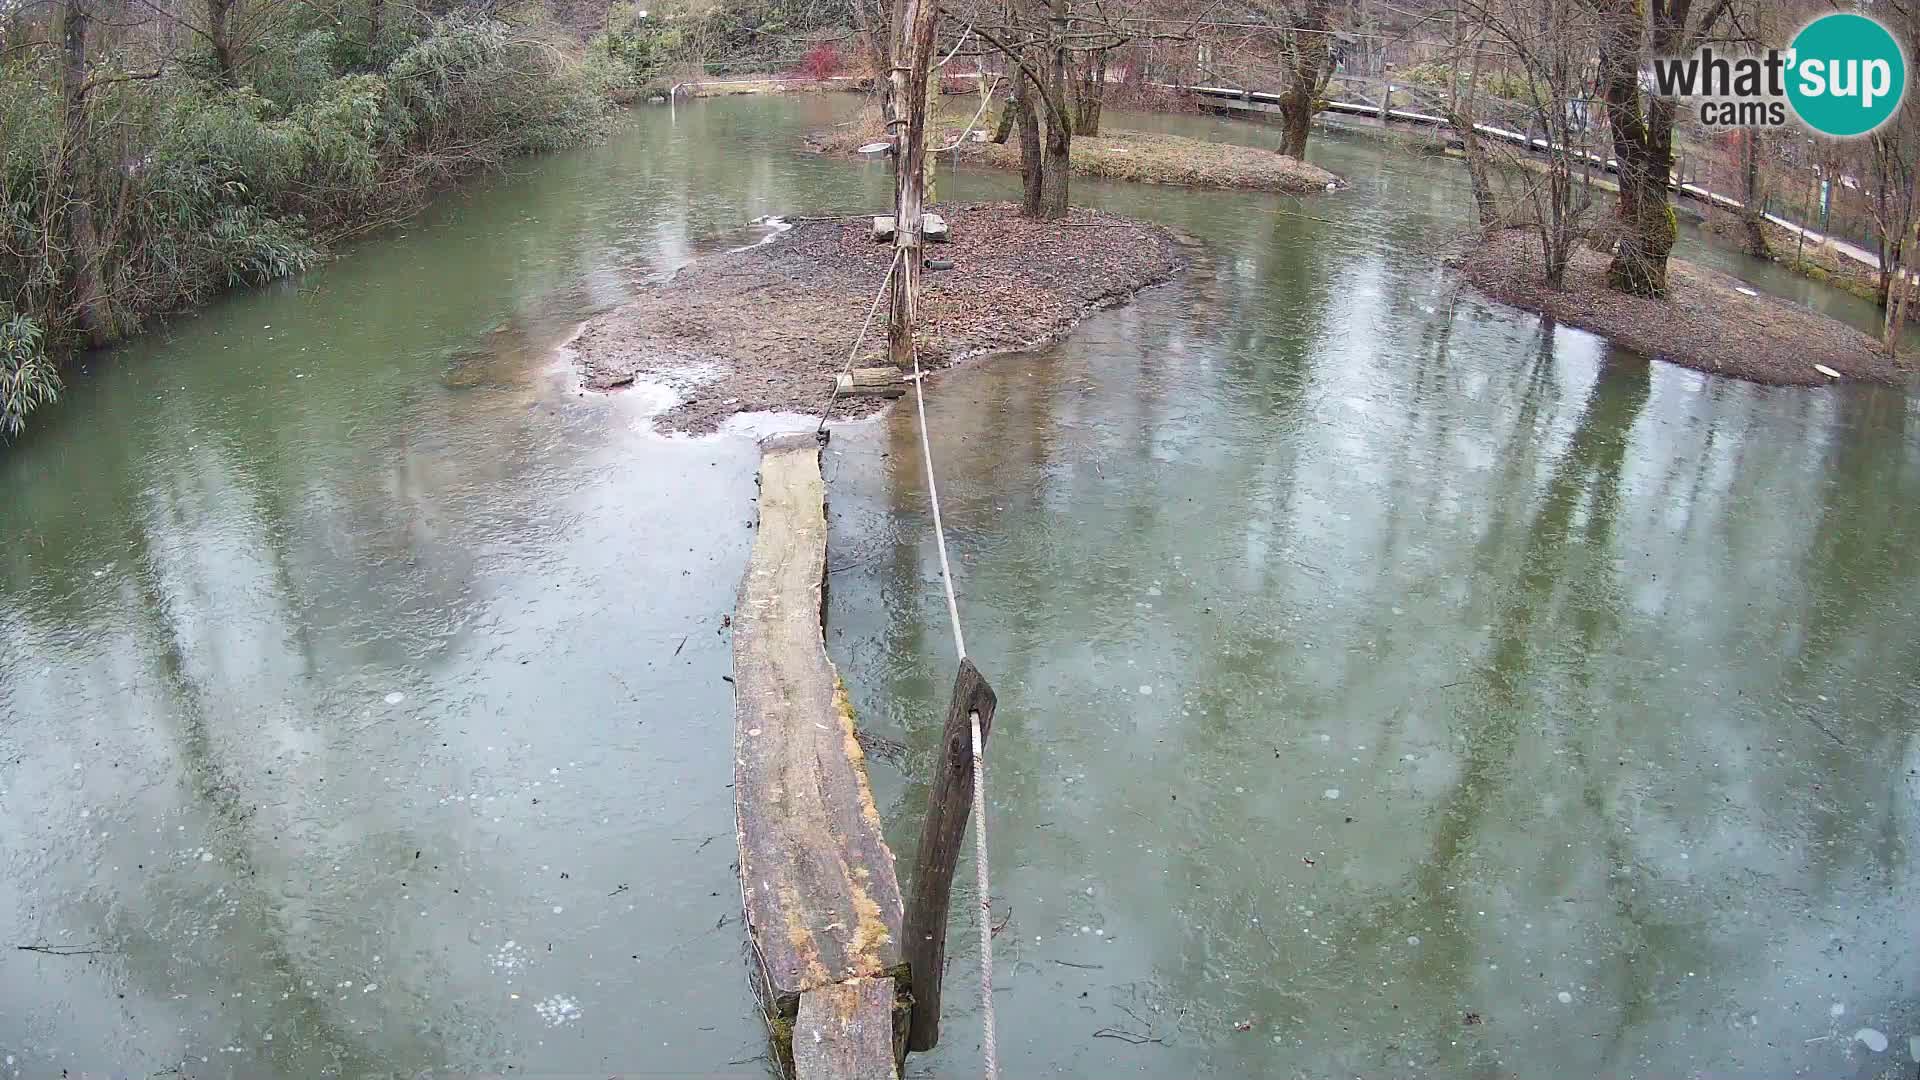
x,y
1705,323
766,328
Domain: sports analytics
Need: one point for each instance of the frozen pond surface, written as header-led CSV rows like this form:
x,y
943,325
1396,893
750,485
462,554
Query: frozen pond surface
x,y
1390,685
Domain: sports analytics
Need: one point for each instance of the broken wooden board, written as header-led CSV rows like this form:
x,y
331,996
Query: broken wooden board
x,y
816,877
846,1030
875,381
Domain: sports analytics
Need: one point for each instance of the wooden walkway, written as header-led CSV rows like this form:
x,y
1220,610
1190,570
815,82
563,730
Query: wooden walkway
x,y
1232,99
817,880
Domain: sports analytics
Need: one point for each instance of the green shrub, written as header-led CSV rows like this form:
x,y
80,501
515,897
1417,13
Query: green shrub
x,y
27,378
198,187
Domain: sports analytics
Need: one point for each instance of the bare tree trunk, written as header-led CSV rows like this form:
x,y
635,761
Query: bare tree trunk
x,y
1461,117
85,260
913,55
1751,199
1800,243
1485,207
1309,67
1089,93
1643,146
1901,284
1055,163
876,39
1054,172
376,28
1009,113
1031,165
1897,309
1892,213
220,40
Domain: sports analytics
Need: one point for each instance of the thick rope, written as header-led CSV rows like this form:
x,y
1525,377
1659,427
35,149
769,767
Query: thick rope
x,y
939,530
989,1045
858,340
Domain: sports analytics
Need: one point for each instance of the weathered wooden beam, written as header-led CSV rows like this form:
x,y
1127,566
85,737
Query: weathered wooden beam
x,y
949,801
877,381
816,877
845,1031
932,227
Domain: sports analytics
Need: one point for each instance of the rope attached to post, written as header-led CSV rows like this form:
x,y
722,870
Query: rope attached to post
x,y
989,1046
858,340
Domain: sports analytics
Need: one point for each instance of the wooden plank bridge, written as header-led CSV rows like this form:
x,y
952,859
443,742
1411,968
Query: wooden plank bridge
x,y
817,880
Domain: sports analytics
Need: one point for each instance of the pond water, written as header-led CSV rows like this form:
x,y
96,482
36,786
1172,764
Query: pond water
x,y
1389,683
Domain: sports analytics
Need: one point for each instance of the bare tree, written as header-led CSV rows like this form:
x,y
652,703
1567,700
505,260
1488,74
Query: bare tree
x,y
1045,43
1642,128
875,32
1462,116
1307,46
1753,196
1258,44
85,259
1546,42
1090,91
1899,274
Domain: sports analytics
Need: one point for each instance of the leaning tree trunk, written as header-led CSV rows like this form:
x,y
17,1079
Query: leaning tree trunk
x,y
1479,177
1009,114
1461,116
87,281
1643,147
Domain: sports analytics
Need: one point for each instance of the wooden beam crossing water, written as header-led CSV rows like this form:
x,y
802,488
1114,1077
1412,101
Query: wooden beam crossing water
x,y
817,879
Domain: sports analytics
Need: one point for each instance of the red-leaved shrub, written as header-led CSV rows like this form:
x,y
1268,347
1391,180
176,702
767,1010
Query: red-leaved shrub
x,y
821,62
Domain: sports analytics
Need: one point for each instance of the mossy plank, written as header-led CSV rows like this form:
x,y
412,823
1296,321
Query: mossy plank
x,y
817,879
845,1032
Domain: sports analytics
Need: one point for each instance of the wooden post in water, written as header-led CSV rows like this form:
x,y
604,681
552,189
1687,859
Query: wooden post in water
x,y
913,24
949,801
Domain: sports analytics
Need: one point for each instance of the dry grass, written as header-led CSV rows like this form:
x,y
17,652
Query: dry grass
x,y
1704,323
1135,156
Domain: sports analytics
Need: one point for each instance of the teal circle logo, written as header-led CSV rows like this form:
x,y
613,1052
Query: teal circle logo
x,y
1848,75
